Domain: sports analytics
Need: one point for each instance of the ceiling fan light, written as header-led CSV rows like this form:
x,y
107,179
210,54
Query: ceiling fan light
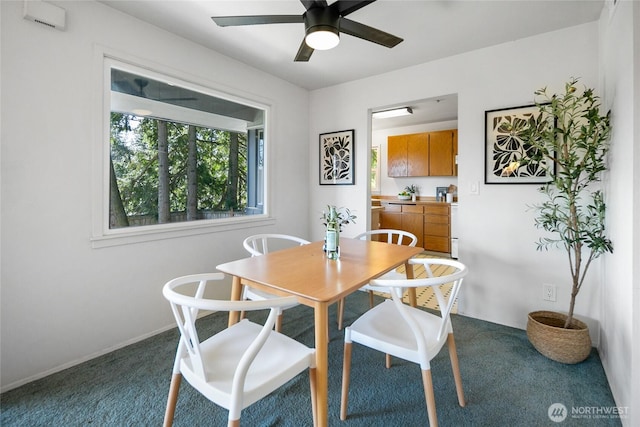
x,y
322,38
141,112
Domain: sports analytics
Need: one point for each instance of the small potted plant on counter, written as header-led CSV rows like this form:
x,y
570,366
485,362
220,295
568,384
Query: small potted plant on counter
x,y
412,190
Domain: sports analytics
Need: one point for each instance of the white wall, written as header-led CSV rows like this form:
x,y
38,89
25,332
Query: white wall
x,y
620,62
496,227
62,301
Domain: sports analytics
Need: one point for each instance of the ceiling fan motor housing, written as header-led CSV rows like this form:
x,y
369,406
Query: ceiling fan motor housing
x,y
322,19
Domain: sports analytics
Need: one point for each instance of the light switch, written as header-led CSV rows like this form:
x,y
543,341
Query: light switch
x,y
474,187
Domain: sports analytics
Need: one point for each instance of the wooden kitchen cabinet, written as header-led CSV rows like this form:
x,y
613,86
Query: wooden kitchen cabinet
x,y
391,217
404,217
412,221
437,227
430,222
443,148
375,217
422,154
396,156
408,155
455,152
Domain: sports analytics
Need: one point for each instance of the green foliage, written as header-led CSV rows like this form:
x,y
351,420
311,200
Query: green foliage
x,y
412,189
134,153
342,216
374,167
571,134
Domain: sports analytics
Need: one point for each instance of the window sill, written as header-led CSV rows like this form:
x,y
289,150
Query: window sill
x,y
133,235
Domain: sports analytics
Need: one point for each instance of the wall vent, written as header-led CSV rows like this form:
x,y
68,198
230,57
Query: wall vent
x,y
45,13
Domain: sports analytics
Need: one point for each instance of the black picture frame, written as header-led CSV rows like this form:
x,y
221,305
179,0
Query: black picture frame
x,y
337,158
503,147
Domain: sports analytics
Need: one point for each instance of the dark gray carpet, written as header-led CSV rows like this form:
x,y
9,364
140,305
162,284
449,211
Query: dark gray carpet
x,y
506,382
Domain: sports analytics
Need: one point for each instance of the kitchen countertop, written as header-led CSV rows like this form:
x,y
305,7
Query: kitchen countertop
x,y
396,201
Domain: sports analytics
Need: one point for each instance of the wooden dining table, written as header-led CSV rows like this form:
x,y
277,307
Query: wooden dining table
x,y
317,281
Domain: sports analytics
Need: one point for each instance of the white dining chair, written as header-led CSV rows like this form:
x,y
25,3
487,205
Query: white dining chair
x,y
393,237
409,333
260,244
239,365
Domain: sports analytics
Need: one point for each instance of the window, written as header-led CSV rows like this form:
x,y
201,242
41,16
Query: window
x,y
375,169
180,153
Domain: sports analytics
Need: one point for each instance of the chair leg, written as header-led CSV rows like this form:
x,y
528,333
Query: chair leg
x,y
453,355
371,299
176,379
233,423
387,360
431,400
279,322
340,313
314,395
346,368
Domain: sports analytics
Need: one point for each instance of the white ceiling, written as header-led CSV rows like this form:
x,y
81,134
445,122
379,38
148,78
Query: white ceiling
x,y
431,30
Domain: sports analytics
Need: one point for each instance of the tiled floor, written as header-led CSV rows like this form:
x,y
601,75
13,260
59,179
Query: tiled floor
x,y
426,296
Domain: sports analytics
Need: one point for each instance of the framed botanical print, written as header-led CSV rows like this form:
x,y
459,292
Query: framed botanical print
x,y
337,158
505,146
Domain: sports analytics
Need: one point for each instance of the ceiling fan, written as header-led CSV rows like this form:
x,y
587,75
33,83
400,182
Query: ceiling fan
x,y
142,83
323,24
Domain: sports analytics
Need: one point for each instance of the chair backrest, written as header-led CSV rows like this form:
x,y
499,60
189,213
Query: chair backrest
x,y
396,288
186,297
259,244
399,237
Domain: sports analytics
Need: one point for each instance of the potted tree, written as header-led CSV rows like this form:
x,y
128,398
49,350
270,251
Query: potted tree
x,y
571,134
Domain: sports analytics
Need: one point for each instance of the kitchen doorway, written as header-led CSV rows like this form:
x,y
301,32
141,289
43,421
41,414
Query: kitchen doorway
x,y
432,114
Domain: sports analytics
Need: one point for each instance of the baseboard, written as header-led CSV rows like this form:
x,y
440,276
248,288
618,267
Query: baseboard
x,y
84,359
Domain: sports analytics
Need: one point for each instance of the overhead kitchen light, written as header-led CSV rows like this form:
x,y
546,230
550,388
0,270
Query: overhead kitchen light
x,y
396,112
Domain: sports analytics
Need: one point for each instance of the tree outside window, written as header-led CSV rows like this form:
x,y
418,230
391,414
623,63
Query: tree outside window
x,y
179,155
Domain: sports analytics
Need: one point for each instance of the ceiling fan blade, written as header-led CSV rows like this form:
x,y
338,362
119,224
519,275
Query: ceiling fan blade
x,y
356,29
304,52
346,7
188,98
233,21
309,4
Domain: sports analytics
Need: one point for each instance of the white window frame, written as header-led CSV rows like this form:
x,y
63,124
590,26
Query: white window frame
x,y
102,235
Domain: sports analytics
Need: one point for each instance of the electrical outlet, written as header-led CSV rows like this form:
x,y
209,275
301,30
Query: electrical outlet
x,y
548,292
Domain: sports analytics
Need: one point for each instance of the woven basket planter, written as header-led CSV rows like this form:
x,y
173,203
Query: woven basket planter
x,y
545,330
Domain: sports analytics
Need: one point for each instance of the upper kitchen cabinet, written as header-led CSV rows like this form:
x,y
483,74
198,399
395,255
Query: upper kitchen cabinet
x,y
443,147
408,155
423,154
